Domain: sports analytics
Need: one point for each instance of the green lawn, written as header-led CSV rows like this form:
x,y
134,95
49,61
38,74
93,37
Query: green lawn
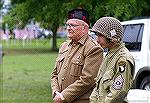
x,y
25,76
20,44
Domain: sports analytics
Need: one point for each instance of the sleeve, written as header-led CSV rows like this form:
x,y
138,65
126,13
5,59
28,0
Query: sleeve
x,y
54,81
86,82
57,67
121,82
93,96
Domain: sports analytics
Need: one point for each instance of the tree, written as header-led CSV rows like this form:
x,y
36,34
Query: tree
x,y
52,13
143,6
49,13
1,4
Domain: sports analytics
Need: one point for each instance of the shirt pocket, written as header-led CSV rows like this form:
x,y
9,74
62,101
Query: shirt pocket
x,y
77,66
107,79
59,62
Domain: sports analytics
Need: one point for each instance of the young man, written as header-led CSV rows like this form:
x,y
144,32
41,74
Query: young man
x,y
78,61
115,75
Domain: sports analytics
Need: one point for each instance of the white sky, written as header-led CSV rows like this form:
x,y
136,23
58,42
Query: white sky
x,y
6,1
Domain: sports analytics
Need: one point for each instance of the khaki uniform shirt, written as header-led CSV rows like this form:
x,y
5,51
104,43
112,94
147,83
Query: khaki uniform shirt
x,y
115,77
76,67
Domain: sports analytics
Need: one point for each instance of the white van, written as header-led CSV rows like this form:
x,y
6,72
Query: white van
x,y
137,40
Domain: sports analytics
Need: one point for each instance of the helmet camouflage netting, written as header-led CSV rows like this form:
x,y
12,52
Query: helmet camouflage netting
x,y
109,27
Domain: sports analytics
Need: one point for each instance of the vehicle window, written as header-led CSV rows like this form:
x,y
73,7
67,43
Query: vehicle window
x,y
133,34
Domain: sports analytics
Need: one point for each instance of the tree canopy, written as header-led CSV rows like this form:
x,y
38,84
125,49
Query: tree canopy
x,y
1,4
52,13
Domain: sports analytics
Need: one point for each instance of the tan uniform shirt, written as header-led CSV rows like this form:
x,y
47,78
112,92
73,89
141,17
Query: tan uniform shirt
x,y
76,67
115,77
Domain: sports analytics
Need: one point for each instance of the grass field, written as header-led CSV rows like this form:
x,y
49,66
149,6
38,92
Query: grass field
x,y
30,44
25,77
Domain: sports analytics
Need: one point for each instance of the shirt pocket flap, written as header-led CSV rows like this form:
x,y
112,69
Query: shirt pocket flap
x,y
77,62
76,67
107,76
60,58
78,59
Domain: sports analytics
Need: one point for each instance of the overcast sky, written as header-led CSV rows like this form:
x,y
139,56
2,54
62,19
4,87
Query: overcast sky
x,y
6,1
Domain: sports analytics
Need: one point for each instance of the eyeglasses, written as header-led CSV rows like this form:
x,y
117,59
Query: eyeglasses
x,y
72,25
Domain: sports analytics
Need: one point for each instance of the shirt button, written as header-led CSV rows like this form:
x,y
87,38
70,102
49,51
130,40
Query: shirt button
x,y
110,95
77,62
78,57
63,79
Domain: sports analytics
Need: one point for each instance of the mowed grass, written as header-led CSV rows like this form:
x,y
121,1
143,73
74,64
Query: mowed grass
x,y
30,44
25,76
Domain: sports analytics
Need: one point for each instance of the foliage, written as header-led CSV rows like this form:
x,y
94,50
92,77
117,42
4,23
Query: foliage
x,y
1,4
143,6
52,13
18,16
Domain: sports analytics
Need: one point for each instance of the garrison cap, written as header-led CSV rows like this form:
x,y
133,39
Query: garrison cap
x,y
109,27
80,14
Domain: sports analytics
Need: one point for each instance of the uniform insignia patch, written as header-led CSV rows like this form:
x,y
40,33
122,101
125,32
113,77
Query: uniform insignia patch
x,y
122,63
121,69
113,32
118,82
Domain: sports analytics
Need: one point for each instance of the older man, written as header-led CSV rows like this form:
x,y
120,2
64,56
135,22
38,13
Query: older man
x,y
78,61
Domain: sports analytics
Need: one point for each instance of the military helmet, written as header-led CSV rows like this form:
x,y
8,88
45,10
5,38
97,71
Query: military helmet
x,y
109,27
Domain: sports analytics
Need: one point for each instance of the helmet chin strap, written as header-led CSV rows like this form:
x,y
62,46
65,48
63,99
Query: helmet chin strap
x,y
117,40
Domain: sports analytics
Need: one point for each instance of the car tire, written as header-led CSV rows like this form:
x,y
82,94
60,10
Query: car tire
x,y
145,84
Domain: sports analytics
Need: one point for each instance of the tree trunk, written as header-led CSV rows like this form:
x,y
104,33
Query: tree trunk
x,y
54,41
